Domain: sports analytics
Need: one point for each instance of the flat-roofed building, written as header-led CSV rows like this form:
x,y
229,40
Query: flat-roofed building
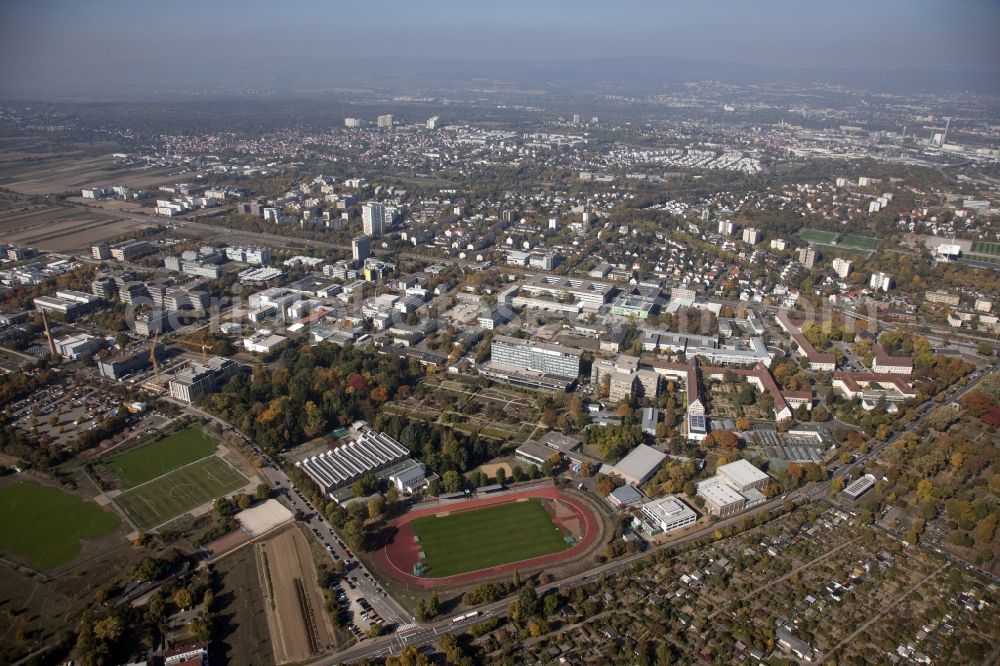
x,y
942,298
539,357
859,486
743,476
409,479
625,496
591,295
534,453
559,442
130,250
130,360
668,513
640,464
76,346
721,499
202,378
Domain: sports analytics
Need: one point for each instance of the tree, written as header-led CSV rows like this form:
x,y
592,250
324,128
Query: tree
x,y
434,605
183,599
451,481
376,506
263,492
420,612
109,629
243,501
721,439
530,603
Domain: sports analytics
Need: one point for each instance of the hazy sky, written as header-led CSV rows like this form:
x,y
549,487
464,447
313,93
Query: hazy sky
x,y
46,36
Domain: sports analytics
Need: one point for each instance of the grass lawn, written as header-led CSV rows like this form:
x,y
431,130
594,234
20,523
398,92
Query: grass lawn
x,y
45,524
174,494
818,236
147,462
473,540
860,242
985,247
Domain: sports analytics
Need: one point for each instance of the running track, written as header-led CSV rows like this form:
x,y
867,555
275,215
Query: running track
x,y
397,557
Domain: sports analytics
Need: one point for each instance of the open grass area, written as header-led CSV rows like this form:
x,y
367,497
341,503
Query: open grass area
x,y
818,236
147,462
986,247
45,525
174,494
859,242
473,540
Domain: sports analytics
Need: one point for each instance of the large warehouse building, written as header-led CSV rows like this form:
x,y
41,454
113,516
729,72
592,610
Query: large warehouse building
x,y
369,453
640,464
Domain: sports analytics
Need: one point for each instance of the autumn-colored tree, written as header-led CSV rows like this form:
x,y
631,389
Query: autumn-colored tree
x,y
721,439
976,403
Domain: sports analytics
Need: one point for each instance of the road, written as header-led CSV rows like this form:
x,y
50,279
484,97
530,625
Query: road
x,y
354,569
421,634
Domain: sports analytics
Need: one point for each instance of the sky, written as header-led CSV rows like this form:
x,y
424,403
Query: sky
x,y
44,38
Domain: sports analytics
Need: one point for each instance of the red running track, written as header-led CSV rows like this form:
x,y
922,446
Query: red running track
x,y
397,557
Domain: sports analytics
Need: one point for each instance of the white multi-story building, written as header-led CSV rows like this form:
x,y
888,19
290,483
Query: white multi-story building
x,y
201,378
668,513
385,121
752,235
842,267
375,218
807,257
880,281
726,227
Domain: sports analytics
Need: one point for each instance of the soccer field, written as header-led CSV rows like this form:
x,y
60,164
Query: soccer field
x,y
147,462
473,540
985,247
45,525
859,242
174,494
818,236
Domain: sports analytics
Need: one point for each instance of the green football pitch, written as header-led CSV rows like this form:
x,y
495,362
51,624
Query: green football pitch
x,y
147,462
818,236
174,494
45,525
473,540
859,242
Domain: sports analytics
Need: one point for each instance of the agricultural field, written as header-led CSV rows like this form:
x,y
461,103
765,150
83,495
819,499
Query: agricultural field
x,y
172,495
45,525
66,172
473,540
145,463
293,603
245,638
62,229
